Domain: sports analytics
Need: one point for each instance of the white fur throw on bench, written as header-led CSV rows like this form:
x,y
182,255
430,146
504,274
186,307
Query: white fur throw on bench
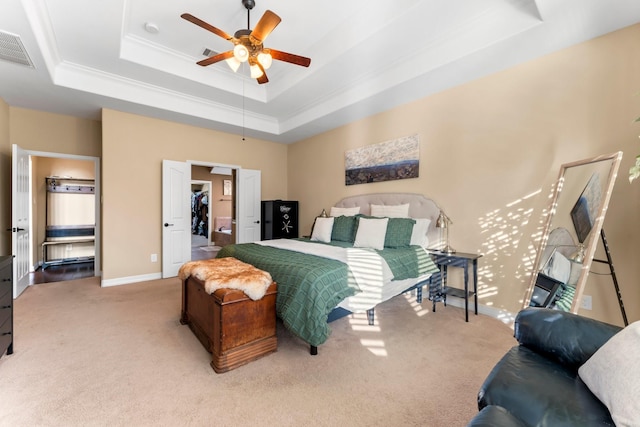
x,y
229,273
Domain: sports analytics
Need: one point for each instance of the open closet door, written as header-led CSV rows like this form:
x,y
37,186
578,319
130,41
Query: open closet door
x,y
249,195
176,216
20,220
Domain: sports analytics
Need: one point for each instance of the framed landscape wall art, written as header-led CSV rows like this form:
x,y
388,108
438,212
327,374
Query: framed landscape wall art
x,y
386,161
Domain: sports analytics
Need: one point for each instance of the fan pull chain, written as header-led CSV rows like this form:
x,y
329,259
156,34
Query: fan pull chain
x,y
243,107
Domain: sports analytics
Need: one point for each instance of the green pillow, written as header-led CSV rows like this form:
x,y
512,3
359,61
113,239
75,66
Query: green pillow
x,y
344,229
399,232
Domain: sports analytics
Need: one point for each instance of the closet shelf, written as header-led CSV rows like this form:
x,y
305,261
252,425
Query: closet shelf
x,y
56,184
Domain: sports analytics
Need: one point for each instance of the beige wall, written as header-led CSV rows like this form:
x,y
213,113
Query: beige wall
x,y
489,153
55,133
133,149
5,180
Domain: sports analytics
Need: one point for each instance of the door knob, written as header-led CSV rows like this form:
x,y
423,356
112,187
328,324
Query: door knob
x,y
257,222
166,224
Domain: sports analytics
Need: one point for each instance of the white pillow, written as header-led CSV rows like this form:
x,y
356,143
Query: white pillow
x,y
335,211
419,232
613,375
322,230
558,267
395,211
371,233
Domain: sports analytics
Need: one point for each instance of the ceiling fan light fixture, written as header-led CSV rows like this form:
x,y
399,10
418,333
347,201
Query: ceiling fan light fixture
x,y
256,72
233,63
241,53
265,60
248,45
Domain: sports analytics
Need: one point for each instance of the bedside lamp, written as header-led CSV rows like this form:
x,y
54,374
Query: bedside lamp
x,y
323,214
443,222
578,255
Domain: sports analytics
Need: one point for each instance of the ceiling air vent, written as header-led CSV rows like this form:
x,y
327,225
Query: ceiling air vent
x,y
12,50
209,52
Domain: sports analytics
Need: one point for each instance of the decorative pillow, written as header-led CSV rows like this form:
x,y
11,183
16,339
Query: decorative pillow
x,y
398,232
344,228
322,230
335,211
419,232
558,267
394,211
613,375
371,233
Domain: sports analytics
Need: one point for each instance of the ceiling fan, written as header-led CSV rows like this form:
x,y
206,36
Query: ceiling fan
x,y
248,45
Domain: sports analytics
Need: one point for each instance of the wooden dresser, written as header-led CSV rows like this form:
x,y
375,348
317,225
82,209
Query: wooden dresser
x,y
6,305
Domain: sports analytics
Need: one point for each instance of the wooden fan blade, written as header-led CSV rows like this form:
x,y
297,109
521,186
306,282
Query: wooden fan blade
x,y
206,26
263,78
263,28
216,58
289,57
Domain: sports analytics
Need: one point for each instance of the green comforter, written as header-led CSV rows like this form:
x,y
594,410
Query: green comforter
x,y
310,286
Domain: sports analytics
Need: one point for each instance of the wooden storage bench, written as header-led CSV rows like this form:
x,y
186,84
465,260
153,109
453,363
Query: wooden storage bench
x,y
232,327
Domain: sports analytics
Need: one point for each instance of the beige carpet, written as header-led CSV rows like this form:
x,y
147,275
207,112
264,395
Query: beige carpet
x,y
91,356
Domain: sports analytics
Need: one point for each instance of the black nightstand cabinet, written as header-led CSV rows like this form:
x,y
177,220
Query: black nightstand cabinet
x,y
456,259
6,305
279,219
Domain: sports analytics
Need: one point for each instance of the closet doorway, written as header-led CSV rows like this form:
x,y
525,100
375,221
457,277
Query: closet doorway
x,y
211,210
200,218
64,217
41,165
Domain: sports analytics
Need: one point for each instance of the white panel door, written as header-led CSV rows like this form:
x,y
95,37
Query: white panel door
x,y
248,218
176,216
20,218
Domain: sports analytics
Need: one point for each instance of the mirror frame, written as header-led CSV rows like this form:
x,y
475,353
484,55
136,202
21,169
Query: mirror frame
x,y
592,242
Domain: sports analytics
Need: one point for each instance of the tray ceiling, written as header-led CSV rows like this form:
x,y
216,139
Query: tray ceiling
x,y
139,56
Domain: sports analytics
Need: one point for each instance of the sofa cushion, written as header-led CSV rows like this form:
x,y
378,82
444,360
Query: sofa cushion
x,y
541,392
494,416
564,337
613,374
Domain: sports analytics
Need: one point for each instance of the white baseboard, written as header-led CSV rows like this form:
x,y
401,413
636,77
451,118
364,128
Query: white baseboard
x,y
131,279
502,315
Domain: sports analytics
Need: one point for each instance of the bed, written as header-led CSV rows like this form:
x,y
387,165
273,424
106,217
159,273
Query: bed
x,y
350,272
222,230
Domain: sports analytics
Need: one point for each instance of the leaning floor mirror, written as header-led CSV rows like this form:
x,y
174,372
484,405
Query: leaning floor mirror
x,y
571,233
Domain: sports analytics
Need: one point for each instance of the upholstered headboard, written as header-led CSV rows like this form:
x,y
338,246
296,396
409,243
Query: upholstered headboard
x,y
419,207
562,241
